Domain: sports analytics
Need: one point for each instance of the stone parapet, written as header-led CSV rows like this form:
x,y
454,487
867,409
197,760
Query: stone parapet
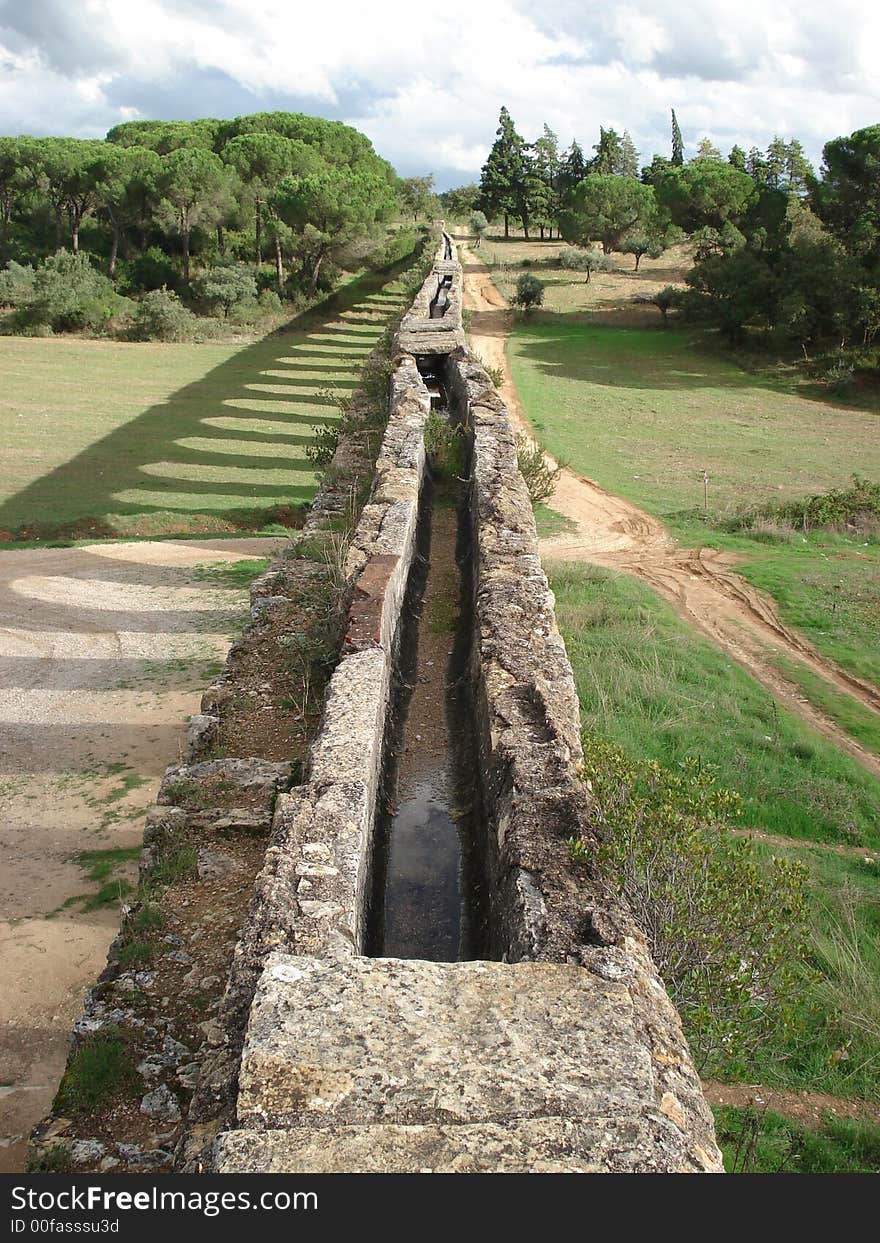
x,y
418,333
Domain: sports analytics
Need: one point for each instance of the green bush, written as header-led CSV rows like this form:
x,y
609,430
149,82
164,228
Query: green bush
x,y
16,285
270,303
64,293
529,291
226,285
856,508
539,475
589,261
161,316
151,270
478,224
726,932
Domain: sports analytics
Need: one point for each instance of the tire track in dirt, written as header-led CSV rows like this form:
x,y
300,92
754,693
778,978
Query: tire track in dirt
x,y
700,583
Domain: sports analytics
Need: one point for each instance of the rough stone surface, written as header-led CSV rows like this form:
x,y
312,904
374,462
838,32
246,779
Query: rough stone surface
x,y
523,1146
309,897
565,1056
399,1065
161,1104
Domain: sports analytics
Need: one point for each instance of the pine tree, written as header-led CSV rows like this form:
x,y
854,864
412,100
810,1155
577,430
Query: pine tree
x,y
503,180
544,180
737,158
629,162
756,166
707,150
572,170
677,142
776,153
799,173
609,153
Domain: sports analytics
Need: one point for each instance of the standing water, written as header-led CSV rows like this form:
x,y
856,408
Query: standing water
x,y
427,897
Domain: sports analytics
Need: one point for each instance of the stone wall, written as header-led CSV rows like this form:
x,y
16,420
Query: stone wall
x,y
544,907
360,1064
310,896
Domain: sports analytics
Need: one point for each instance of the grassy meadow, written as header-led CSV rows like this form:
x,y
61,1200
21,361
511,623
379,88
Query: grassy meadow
x,y
651,684
645,411
111,438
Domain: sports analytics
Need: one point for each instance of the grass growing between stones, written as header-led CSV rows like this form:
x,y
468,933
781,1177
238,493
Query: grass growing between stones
x,y
650,684
101,1068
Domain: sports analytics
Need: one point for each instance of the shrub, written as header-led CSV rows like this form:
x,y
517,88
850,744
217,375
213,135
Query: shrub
x,y
226,285
479,224
65,292
589,261
151,270
16,285
539,475
161,316
269,302
326,441
856,508
529,291
666,299
726,933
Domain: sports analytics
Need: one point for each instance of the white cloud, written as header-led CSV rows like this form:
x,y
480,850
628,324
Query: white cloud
x,y
426,85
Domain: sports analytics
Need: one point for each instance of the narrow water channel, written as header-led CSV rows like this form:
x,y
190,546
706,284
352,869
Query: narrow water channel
x,y
428,894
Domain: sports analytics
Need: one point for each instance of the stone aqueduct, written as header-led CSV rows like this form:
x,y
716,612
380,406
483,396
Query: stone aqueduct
x,y
559,1051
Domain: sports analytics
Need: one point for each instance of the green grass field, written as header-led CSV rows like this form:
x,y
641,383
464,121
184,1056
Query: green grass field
x,y
762,1142
644,413
648,682
113,439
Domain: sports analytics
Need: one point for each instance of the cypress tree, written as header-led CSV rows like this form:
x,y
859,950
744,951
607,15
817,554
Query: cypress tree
x,y
677,142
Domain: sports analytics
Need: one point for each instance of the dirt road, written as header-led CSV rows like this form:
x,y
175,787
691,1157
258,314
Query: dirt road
x,y
699,582
104,652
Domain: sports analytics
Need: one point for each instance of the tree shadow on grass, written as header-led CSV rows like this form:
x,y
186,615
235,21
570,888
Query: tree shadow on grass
x,y
175,460
626,355
637,355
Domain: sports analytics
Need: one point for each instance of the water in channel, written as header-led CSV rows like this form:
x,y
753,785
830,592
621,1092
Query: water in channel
x,y
428,899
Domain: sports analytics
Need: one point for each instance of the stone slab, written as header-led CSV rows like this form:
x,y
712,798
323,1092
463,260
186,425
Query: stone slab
x,y
364,1041
533,1146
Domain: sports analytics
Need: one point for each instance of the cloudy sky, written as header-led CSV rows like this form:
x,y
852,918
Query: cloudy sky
x,y
426,82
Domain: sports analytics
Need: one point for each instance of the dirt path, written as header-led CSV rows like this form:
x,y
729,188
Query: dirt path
x,y
104,652
807,1108
699,582
802,843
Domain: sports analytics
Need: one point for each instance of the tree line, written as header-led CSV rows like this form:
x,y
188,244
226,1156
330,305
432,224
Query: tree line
x,y
777,246
280,187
